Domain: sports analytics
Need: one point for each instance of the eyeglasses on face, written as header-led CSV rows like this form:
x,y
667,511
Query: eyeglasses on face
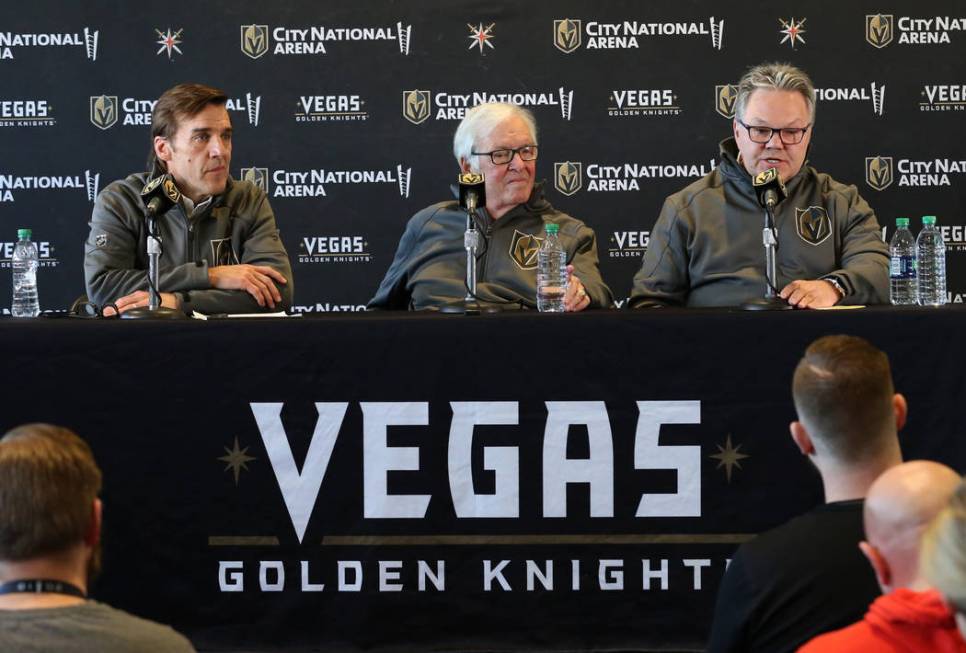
x,y
503,157
788,135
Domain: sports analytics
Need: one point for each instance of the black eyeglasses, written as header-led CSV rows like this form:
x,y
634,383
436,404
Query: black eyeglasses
x,y
503,157
788,135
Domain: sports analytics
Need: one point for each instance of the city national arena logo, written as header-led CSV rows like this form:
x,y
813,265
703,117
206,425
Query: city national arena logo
x,y
419,105
628,244
256,40
317,182
10,184
26,113
103,111
643,102
881,171
329,307
10,41
879,29
943,97
108,110
330,108
568,176
878,171
882,29
875,94
568,36
725,96
334,249
257,176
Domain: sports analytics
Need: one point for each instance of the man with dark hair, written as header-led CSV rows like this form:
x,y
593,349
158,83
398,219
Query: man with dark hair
x,y
808,576
706,246
221,249
50,526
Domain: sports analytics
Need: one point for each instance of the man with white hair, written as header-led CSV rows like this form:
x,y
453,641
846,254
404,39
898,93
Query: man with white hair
x,y
910,615
429,269
706,247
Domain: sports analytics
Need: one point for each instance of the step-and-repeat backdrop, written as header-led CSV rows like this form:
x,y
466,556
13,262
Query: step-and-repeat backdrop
x,y
345,112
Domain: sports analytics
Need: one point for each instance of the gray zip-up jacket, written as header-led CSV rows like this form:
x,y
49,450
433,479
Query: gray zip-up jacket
x,y
430,264
706,247
238,226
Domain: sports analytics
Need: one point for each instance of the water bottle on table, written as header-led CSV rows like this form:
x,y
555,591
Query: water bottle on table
x,y
931,263
552,278
903,284
25,263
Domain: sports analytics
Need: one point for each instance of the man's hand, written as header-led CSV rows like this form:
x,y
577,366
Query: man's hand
x,y
141,298
256,280
576,298
810,294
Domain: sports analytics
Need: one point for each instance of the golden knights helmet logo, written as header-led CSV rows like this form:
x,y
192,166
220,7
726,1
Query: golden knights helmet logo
x,y
254,40
417,105
568,177
566,35
724,99
813,224
879,29
523,250
104,111
878,171
258,176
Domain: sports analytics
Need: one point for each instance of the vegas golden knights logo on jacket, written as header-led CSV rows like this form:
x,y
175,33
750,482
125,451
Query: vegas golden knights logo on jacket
x,y
523,250
813,224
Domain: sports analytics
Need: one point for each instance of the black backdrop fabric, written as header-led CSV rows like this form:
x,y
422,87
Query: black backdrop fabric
x,y
346,110
233,450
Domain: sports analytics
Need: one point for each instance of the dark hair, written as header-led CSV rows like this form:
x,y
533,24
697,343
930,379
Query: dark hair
x,y
843,392
176,104
48,482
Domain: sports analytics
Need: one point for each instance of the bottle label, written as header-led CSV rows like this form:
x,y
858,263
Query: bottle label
x,y
903,267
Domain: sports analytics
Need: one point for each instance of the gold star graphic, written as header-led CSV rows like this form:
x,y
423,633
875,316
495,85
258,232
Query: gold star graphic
x,y
237,459
728,457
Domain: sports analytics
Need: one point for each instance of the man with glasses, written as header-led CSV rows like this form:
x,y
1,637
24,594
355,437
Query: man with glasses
x,y
429,269
706,247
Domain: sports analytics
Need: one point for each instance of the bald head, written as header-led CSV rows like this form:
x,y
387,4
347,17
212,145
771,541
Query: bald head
x,y
898,508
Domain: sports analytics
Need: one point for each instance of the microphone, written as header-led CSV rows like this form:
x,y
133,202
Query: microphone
x,y
770,188
159,195
472,191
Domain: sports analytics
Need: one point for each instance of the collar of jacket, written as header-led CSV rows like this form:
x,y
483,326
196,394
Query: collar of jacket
x,y
731,168
216,203
537,203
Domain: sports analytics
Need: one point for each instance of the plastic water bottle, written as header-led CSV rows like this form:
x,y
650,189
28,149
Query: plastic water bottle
x,y
551,272
25,262
903,288
932,263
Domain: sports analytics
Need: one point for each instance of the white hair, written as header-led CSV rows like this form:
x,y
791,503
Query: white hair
x,y
483,119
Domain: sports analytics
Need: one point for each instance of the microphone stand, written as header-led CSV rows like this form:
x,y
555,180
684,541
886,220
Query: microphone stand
x,y
771,301
469,305
154,310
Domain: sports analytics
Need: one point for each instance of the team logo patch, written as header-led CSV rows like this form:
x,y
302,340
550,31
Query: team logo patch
x,y
724,99
222,253
878,171
878,29
523,250
103,111
566,35
100,240
568,177
813,224
416,106
254,40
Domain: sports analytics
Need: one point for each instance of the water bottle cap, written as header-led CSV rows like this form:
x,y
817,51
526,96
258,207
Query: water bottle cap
x,y
929,219
24,234
902,222
551,228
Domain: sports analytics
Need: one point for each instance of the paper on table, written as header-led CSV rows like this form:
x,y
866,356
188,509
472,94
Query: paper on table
x,y
201,316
